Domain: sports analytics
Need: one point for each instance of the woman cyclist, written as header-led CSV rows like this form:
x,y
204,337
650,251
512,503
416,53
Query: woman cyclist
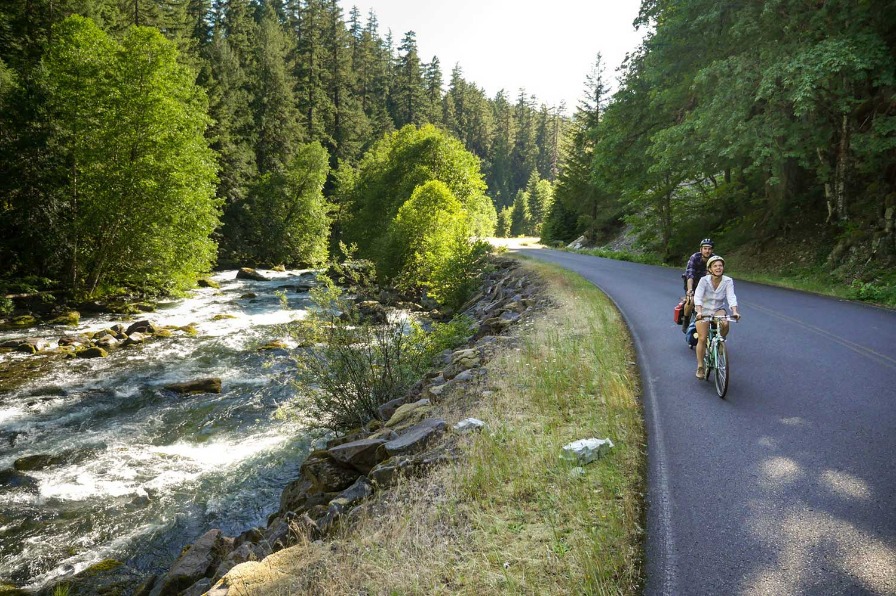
x,y
714,292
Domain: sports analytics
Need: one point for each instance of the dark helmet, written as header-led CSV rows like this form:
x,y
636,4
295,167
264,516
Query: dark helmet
x,y
707,242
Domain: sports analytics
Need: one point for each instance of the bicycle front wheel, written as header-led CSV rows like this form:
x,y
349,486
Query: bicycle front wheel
x,y
722,369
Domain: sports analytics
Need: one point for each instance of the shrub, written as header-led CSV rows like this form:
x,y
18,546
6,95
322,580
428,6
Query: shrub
x,y
352,367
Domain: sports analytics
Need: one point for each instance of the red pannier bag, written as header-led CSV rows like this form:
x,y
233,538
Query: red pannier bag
x,y
679,309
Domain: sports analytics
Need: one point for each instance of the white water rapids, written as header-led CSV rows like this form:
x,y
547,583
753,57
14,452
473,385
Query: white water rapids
x,y
136,471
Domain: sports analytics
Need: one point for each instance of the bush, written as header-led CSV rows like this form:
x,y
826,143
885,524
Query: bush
x,y
352,367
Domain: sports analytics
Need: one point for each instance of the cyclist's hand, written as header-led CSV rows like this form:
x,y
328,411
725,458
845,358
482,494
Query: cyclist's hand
x,y
736,316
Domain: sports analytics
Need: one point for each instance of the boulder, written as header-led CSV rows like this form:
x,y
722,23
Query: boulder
x,y
361,455
70,319
138,327
250,273
326,474
409,414
371,311
94,352
197,562
73,340
415,439
468,425
360,490
386,410
134,338
585,451
30,345
208,283
106,577
211,385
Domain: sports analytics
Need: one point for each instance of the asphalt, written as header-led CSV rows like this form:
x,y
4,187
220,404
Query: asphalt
x,y
788,485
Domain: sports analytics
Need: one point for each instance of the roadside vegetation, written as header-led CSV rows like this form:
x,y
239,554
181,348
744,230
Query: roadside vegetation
x,y
509,516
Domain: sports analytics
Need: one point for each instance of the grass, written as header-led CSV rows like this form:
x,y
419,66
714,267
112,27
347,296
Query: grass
x,y
509,517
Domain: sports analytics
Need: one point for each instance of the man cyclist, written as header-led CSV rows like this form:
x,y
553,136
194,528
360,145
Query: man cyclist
x,y
714,292
696,268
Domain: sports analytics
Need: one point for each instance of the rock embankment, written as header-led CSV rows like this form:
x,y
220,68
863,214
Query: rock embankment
x,y
408,438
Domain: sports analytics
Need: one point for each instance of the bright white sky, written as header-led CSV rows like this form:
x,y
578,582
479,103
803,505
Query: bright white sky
x,y
547,48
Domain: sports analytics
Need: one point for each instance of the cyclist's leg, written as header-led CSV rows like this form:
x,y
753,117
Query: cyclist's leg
x,y
702,332
723,329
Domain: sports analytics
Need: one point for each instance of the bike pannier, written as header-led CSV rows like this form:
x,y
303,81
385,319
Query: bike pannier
x,y
679,308
691,335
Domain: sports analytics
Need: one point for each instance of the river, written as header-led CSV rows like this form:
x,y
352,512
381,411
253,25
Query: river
x,y
136,471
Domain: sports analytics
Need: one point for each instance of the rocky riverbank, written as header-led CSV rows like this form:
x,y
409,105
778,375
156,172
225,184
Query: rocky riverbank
x,y
408,438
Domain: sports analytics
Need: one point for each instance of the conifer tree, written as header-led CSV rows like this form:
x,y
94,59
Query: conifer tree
x,y
275,115
408,98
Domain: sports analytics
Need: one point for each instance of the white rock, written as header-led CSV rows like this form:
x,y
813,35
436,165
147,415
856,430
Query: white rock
x,y
585,451
468,425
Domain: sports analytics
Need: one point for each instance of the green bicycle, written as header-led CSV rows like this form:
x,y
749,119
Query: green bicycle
x,y
716,357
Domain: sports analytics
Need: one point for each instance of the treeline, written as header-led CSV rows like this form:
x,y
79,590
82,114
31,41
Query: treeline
x,y
140,140
745,120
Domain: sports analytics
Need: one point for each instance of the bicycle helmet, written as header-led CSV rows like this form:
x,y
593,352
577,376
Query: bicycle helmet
x,y
713,259
707,242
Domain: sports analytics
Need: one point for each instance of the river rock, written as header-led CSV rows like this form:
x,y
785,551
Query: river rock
x,y
139,327
211,385
361,455
31,463
134,338
208,283
72,340
326,474
372,311
198,561
31,345
106,577
250,273
94,352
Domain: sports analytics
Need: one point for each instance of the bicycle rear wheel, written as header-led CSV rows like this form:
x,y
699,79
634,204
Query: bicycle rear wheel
x,y
722,369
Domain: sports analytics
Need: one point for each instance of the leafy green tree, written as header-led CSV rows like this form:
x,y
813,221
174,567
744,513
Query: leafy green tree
x,y
140,183
290,215
428,245
396,166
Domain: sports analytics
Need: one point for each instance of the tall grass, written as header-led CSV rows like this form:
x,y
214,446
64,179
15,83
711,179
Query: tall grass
x,y
509,516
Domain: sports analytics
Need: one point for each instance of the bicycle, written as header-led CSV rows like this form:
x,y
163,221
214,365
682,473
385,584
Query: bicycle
x,y
716,356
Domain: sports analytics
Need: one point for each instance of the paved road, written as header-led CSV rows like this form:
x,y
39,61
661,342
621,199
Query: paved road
x,y
788,486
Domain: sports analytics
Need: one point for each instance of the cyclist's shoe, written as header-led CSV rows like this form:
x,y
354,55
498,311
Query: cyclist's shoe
x,y
701,374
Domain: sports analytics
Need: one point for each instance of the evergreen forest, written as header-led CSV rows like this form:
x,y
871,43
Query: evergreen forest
x,y
142,142
768,125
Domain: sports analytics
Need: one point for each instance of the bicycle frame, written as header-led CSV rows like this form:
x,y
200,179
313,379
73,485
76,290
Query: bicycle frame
x,y
716,356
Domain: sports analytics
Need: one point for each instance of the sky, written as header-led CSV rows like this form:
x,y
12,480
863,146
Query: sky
x,y
548,48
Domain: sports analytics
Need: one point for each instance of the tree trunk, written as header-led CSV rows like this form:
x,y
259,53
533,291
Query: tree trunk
x,y
842,170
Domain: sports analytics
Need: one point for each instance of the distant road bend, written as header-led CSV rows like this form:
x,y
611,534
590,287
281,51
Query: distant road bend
x,y
788,486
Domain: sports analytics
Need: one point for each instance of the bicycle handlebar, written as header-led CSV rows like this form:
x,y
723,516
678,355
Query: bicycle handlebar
x,y
719,317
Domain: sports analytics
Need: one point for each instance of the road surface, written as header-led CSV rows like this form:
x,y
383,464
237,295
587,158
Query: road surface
x,y
787,486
